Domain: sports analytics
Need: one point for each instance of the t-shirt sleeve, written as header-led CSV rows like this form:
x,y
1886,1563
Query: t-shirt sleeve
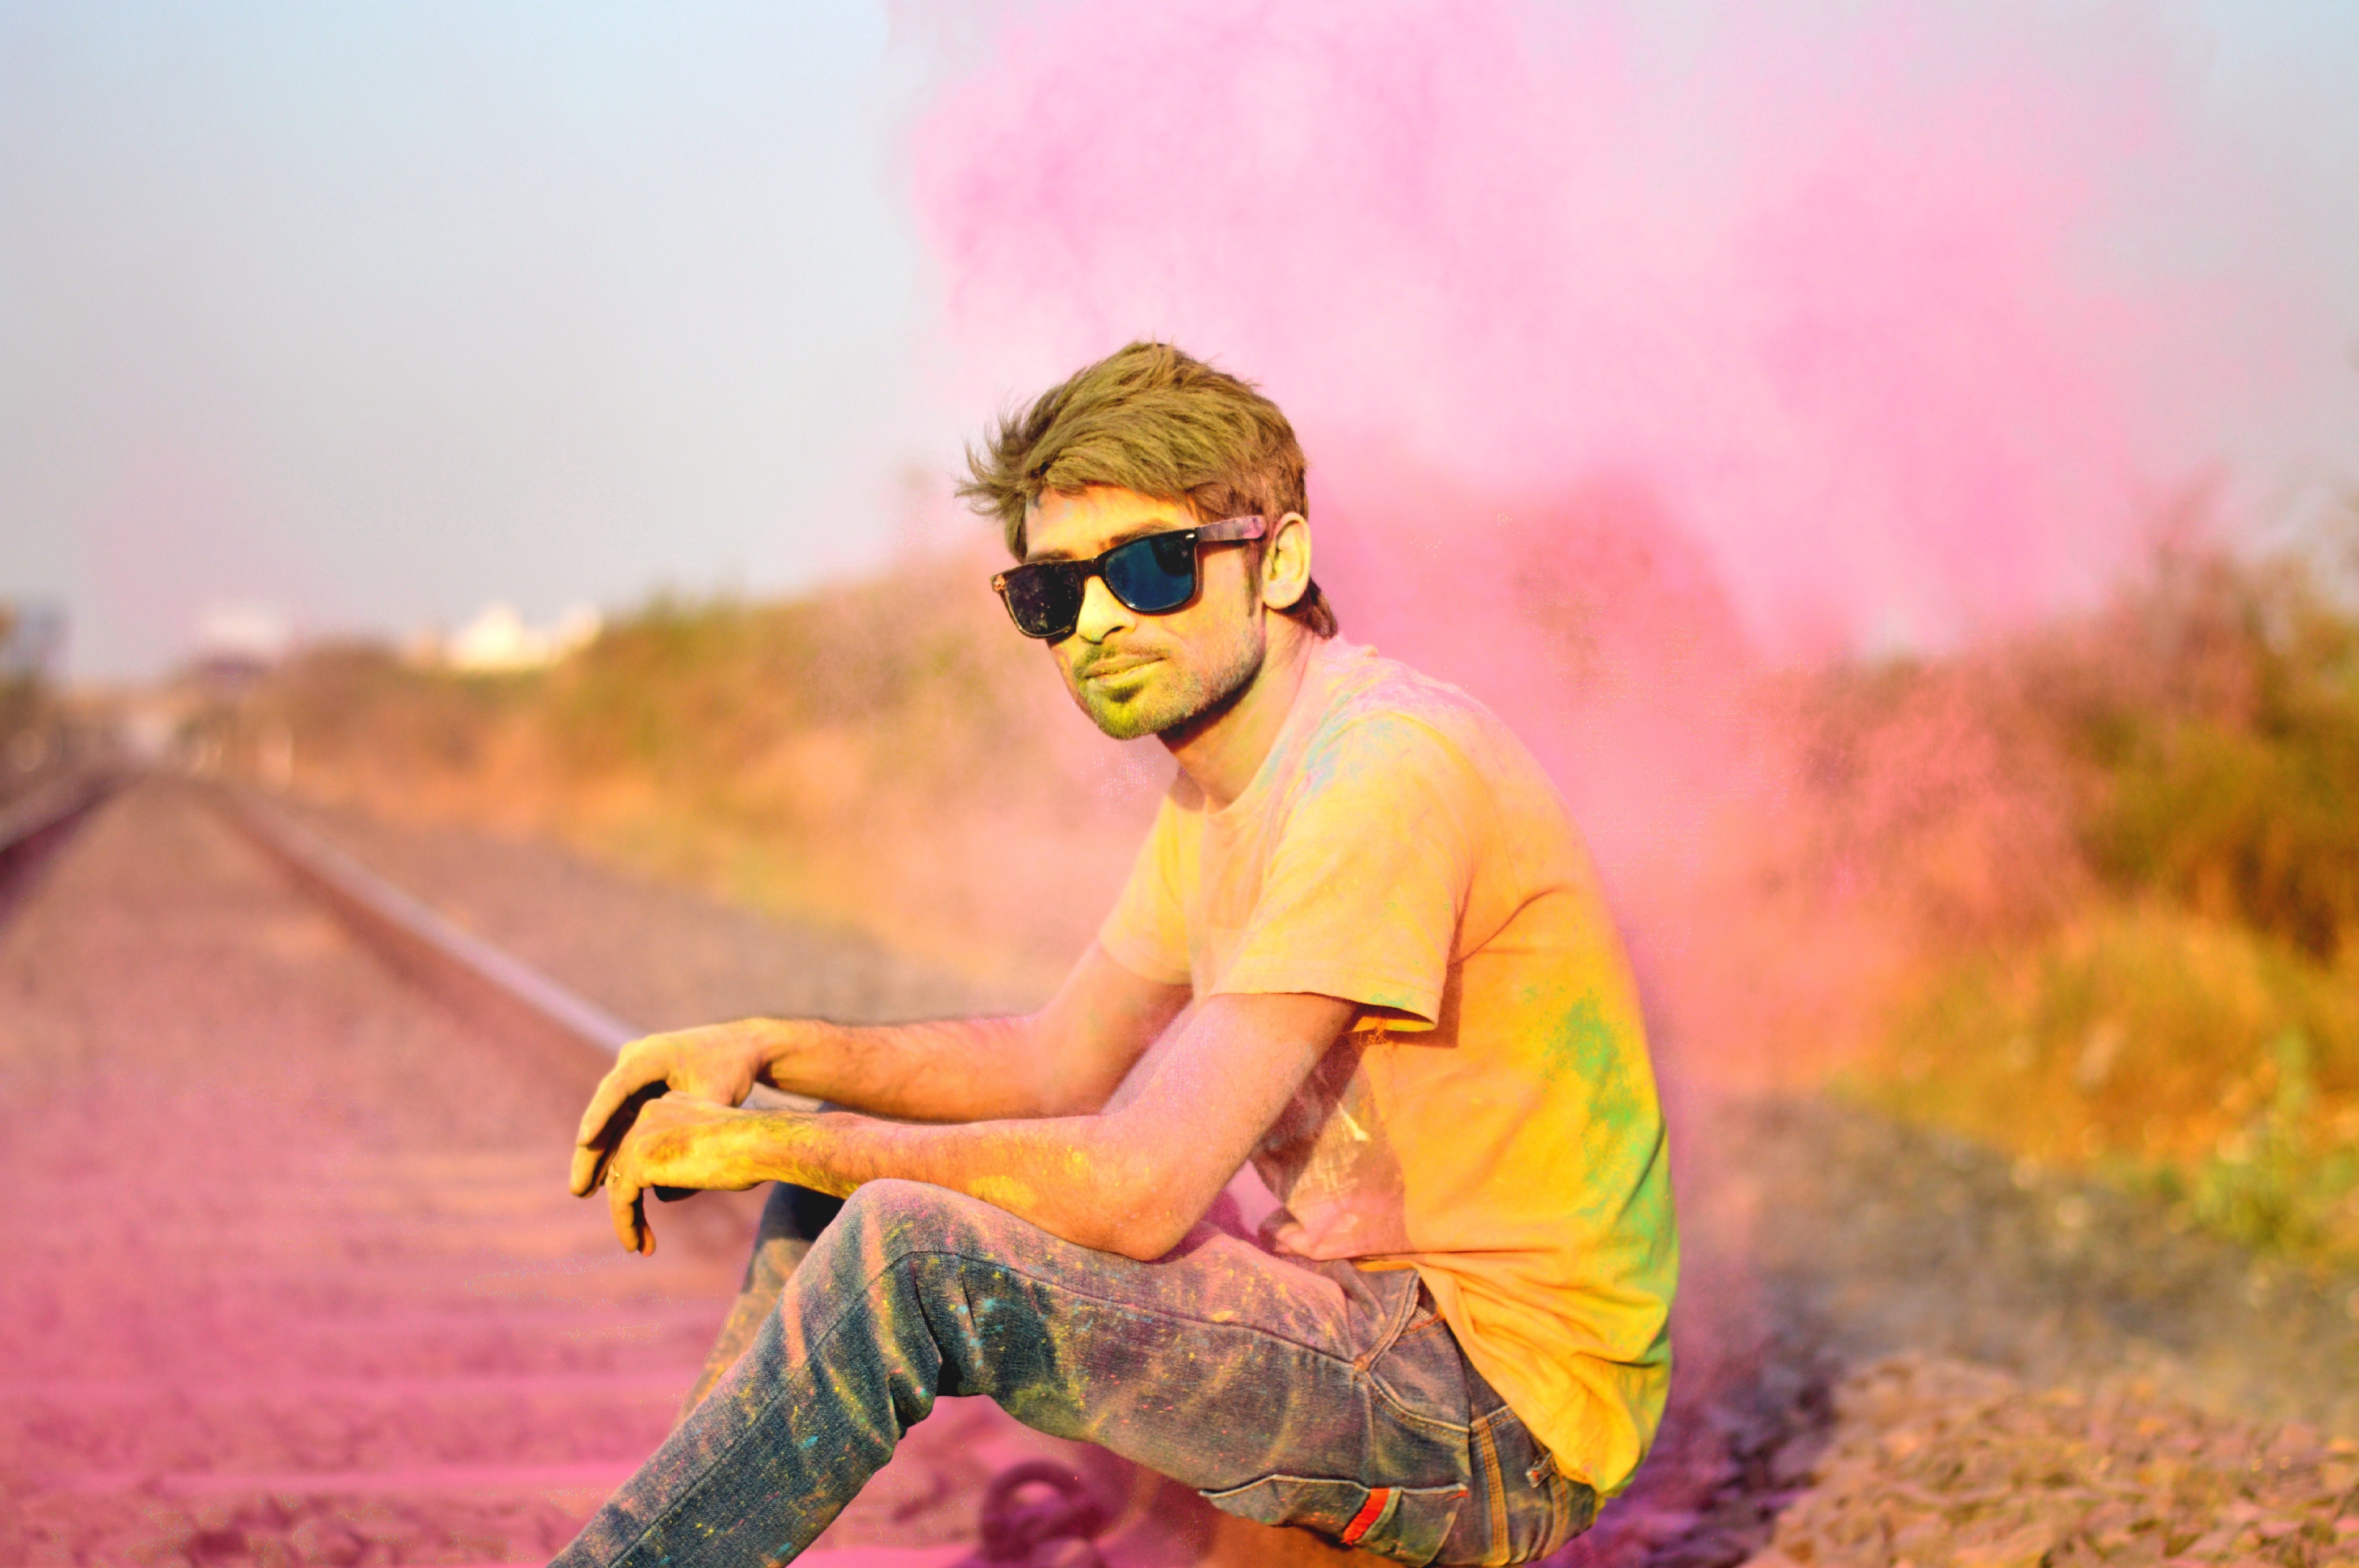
x,y
1147,930
1368,880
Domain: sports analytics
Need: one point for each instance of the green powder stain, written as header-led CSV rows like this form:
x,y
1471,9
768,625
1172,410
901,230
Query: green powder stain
x,y
1585,1046
1622,1150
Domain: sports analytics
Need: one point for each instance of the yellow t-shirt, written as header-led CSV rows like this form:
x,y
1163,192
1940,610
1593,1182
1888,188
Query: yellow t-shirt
x,y
1491,1116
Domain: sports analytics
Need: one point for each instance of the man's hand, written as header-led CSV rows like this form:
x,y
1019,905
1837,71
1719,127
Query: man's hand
x,y
718,1063
679,1141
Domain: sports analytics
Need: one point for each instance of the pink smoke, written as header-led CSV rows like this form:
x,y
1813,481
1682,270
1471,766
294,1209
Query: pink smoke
x,y
1833,289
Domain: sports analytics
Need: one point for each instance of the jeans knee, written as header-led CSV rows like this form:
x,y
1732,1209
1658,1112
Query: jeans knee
x,y
889,1220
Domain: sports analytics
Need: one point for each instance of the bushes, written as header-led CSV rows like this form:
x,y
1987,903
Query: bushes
x,y
2136,1032
888,755
2192,1026
2230,767
2287,1180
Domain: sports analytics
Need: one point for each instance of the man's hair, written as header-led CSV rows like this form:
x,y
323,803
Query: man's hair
x,y
1152,420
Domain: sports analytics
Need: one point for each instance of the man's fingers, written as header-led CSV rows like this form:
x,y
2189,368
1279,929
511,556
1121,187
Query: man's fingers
x,y
603,1101
589,1164
596,1146
623,1080
629,1211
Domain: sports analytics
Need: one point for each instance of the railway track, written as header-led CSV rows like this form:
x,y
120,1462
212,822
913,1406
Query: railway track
x,y
35,825
290,1275
296,1277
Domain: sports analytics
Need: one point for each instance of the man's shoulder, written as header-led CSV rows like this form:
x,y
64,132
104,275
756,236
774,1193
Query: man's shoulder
x,y
1380,701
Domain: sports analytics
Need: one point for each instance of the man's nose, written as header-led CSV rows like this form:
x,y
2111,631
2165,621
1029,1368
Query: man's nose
x,y
1102,612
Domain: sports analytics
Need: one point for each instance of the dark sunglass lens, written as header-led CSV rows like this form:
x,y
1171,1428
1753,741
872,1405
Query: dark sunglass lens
x,y
1045,599
1154,574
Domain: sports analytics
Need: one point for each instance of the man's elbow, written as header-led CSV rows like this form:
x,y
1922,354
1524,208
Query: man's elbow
x,y
1073,1093
1146,1223
1128,1215
1141,1241
1141,1197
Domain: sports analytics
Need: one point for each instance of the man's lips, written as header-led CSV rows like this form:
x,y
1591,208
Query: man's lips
x,y
1114,665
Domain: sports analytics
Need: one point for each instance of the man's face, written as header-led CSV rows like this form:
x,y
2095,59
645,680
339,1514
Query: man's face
x,y
1141,675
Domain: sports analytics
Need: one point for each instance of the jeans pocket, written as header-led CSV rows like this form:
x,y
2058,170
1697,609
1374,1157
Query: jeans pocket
x,y
1407,1524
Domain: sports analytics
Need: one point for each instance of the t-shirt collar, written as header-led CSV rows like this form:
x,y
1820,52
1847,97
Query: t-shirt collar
x,y
1320,681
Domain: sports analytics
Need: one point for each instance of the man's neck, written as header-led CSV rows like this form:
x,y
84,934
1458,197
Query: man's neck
x,y
1224,751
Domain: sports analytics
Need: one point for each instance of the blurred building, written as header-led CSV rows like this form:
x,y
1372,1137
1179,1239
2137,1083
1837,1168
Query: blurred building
x,y
32,652
499,641
237,644
32,640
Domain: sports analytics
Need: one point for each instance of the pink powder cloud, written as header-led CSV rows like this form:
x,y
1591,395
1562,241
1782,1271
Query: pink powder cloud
x,y
1834,291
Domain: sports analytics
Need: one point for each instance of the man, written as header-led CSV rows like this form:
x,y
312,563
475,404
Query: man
x,y
1362,948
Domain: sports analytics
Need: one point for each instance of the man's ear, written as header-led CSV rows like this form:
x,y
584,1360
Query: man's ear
x,y
1285,562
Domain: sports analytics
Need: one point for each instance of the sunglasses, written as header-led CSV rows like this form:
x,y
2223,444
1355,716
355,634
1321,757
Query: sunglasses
x,y
1154,576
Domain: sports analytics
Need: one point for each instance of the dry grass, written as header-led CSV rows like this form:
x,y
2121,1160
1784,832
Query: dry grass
x,y
2189,1020
888,760
2199,1057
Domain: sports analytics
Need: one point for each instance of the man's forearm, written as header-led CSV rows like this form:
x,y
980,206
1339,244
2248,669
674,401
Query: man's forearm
x,y
1064,1060
1099,1181
968,1069
1095,1179
1129,1180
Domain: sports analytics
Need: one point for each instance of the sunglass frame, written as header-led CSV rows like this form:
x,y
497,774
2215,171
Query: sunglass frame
x,y
1228,530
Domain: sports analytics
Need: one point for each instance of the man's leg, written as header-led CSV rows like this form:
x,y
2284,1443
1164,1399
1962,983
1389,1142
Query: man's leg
x,y
1289,1393
792,1217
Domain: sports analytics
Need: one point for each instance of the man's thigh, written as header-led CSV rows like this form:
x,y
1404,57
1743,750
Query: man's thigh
x,y
1286,1392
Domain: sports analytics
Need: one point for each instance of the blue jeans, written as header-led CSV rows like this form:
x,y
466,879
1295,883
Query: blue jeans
x,y
1286,1392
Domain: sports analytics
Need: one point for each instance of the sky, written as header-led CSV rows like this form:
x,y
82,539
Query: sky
x,y
366,316
369,314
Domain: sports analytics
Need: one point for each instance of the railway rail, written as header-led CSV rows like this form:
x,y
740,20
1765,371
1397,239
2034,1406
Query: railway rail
x,y
33,826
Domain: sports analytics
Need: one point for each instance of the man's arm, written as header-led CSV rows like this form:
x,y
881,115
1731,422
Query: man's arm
x,y
1064,1060
1130,1180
